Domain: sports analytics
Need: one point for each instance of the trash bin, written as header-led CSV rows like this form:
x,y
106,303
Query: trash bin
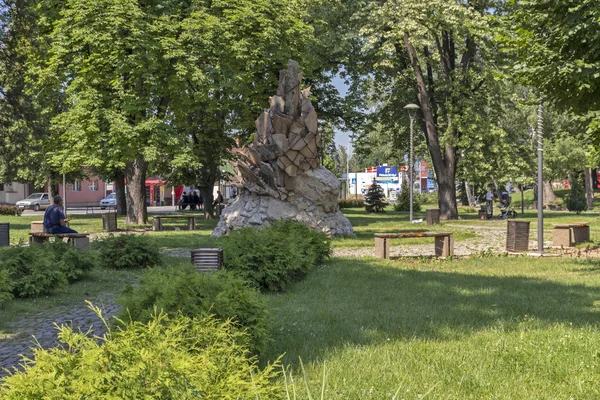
x,y
109,221
4,234
517,236
433,216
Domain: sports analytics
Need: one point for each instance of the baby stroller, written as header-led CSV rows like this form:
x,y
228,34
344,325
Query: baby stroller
x,y
506,211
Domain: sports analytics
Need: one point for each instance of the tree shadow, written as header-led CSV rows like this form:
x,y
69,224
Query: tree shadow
x,y
362,303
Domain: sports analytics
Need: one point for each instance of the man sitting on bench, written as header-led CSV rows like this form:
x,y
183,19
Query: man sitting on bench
x,y
55,221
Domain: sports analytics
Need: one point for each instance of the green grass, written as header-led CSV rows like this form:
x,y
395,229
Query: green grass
x,y
174,235
491,328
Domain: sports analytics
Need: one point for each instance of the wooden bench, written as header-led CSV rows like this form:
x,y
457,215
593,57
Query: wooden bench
x,y
81,240
566,235
444,242
157,221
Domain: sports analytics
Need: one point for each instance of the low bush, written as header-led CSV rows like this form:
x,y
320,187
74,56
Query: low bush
x,y
351,203
165,358
128,252
6,287
38,270
273,257
182,289
10,210
403,202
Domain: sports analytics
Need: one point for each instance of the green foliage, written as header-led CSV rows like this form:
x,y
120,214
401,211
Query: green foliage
x,y
128,251
271,258
38,270
10,210
403,202
351,202
577,200
166,358
374,198
182,289
6,287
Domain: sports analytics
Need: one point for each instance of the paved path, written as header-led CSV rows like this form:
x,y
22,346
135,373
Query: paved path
x,y
41,327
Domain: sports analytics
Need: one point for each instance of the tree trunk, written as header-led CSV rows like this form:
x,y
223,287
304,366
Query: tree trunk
x,y
447,194
549,196
443,159
120,192
208,198
470,195
589,188
135,172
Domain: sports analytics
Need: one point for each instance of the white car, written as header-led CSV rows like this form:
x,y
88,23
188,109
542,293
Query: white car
x,y
109,201
35,201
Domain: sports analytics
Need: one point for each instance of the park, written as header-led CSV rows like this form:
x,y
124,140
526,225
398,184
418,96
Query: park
x,y
454,253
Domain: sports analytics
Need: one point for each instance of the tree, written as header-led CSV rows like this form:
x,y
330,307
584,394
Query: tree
x,y
374,198
576,200
434,53
557,51
403,202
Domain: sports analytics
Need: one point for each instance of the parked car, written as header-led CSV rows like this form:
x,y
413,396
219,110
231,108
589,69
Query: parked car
x,y
35,201
109,201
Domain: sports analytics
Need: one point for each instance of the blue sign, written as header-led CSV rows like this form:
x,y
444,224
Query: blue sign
x,y
430,184
387,175
353,181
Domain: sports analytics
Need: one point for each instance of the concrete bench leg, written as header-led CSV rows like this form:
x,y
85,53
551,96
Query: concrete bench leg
x,y
382,248
561,237
37,240
156,224
82,243
191,224
580,234
444,246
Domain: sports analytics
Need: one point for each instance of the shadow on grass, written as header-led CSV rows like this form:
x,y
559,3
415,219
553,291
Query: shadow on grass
x,y
355,302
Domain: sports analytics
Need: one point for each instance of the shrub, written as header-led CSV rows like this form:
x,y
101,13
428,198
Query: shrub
x,y
6,287
182,289
351,203
271,258
10,210
576,200
38,270
374,199
128,252
165,358
403,203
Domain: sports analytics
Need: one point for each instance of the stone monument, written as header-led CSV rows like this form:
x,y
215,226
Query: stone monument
x,y
279,175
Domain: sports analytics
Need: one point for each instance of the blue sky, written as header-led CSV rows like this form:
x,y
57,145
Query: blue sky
x,y
341,138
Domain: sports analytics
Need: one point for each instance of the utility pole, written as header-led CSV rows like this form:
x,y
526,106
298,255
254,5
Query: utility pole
x,y
540,198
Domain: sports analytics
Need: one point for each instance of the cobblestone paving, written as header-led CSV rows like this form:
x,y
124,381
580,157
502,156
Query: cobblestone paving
x,y
39,328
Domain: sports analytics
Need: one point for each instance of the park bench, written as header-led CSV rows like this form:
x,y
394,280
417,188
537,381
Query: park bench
x,y
157,221
566,235
81,240
444,242
207,260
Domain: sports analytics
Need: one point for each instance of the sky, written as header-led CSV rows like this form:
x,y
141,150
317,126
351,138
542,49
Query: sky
x,y
341,138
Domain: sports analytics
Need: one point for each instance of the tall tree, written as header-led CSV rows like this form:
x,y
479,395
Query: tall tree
x,y
438,50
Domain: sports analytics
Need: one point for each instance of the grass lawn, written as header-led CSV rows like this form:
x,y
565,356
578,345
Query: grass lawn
x,y
490,328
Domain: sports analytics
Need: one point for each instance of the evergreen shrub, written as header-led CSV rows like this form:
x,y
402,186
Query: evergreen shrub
x,y
403,202
40,269
374,199
10,210
576,199
166,358
271,258
351,202
181,289
128,252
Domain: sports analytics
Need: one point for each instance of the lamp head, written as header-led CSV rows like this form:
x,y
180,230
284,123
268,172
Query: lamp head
x,y
412,109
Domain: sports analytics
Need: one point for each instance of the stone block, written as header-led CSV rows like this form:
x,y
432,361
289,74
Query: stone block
x,y
298,144
311,122
281,124
291,170
263,128
282,142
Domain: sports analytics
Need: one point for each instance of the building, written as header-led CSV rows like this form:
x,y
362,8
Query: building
x,y
10,193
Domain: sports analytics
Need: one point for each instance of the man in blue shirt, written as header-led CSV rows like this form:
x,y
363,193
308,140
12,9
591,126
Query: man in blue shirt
x,y
55,221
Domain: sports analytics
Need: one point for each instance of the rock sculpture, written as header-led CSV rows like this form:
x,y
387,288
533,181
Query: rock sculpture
x,y
279,175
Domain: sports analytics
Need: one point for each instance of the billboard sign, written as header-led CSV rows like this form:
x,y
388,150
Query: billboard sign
x,y
387,175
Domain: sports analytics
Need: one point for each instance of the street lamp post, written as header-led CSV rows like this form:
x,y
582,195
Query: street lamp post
x,y
540,198
412,112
